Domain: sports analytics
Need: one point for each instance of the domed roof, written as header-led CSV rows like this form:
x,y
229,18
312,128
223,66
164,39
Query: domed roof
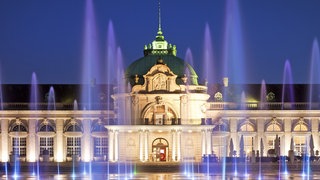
x,y
178,66
161,52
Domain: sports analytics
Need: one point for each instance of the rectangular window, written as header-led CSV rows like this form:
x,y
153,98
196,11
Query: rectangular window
x,y
300,145
46,143
248,144
270,140
100,146
73,146
219,146
19,146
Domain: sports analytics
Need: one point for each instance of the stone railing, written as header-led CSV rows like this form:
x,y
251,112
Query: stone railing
x,y
262,106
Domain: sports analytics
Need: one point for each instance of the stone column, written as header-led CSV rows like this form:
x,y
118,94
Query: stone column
x,y
116,145
203,142
208,141
32,152
178,145
173,135
111,145
146,145
141,146
4,140
59,154
286,140
86,141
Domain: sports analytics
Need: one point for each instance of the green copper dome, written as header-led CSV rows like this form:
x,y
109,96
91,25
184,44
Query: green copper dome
x,y
178,66
158,50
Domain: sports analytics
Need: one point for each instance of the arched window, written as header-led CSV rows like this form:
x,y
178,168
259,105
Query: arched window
x,y
73,128
273,126
19,128
19,144
46,143
99,127
220,125
46,128
247,127
100,142
73,142
300,127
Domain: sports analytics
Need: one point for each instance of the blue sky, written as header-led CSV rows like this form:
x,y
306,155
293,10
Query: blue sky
x,y
46,37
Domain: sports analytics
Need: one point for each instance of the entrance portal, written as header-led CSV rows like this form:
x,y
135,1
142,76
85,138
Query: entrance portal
x,y
160,149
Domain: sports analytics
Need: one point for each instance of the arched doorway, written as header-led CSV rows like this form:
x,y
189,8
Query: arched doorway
x,y
160,149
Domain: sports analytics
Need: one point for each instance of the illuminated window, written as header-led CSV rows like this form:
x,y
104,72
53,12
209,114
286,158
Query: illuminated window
x,y
46,143
274,126
19,146
247,127
100,146
299,145
248,144
271,142
73,143
219,146
73,146
301,126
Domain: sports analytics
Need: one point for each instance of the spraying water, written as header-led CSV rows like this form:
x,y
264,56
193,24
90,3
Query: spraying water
x,y
263,95
90,61
208,59
287,86
233,53
314,74
110,62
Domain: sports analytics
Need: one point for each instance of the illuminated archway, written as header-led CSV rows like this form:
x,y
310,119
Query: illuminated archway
x,y
160,149
159,114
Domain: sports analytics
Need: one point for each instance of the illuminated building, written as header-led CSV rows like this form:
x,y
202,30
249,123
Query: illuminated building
x,y
164,115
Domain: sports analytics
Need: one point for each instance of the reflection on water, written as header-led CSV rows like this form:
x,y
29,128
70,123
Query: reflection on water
x,y
159,176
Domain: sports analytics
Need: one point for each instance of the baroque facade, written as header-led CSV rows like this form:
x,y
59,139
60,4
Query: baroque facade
x,y
166,115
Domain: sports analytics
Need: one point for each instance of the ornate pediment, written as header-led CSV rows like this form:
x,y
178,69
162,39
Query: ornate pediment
x,y
158,78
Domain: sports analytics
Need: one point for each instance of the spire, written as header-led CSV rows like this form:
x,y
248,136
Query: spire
x,y
159,46
159,34
159,17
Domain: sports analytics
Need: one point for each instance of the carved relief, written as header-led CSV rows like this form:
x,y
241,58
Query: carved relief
x,y
159,82
135,100
184,99
159,77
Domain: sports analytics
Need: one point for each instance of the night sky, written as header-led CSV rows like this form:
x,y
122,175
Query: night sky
x,y
46,36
